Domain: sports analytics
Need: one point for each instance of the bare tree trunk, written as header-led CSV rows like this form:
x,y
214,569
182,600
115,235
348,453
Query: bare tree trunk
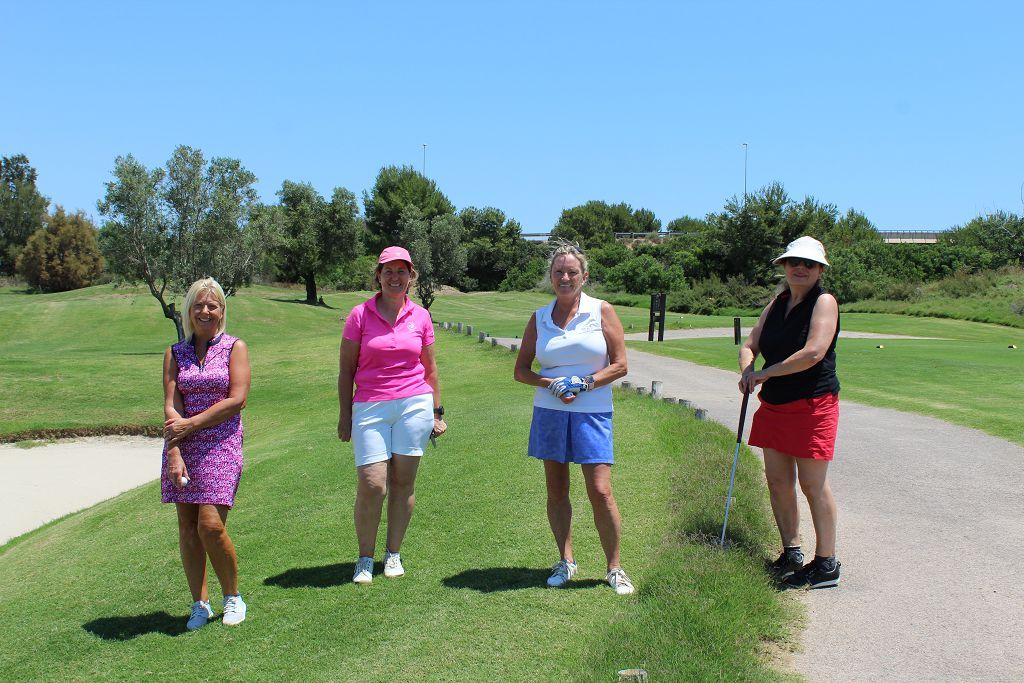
x,y
311,288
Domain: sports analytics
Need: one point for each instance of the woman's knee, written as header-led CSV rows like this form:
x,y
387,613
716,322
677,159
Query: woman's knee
x,y
371,492
780,482
210,528
815,490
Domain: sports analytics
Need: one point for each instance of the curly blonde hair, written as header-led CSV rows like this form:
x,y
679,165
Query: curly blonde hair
x,y
566,248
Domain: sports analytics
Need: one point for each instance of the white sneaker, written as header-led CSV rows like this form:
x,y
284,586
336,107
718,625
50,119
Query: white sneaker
x,y
393,565
201,613
234,610
618,580
364,570
561,573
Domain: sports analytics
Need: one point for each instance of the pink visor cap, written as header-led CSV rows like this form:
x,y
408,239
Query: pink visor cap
x,y
394,254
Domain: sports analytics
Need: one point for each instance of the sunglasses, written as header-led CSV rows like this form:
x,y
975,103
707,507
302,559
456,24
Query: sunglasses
x,y
806,263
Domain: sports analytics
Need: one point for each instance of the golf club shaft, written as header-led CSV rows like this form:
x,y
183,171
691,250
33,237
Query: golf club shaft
x,y
735,458
728,496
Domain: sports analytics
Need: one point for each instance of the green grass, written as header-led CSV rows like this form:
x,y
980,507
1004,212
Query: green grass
x,y
960,378
100,594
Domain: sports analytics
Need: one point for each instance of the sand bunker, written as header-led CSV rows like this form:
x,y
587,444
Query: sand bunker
x,y
43,483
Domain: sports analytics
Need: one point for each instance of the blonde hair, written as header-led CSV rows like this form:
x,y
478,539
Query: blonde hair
x,y
380,266
567,248
206,284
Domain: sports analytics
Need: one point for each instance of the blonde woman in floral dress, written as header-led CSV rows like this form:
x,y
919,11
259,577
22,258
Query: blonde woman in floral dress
x,y
206,382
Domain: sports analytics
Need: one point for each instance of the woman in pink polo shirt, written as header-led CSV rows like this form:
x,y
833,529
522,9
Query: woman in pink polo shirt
x,y
387,351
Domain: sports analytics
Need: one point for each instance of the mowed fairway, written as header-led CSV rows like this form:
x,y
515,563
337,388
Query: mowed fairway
x,y
968,375
100,594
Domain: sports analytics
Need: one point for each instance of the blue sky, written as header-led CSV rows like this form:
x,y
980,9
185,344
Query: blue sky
x,y
909,112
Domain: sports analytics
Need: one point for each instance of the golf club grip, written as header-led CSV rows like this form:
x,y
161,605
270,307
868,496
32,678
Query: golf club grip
x,y
743,416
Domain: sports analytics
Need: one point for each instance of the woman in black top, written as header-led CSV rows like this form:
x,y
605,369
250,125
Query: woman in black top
x,y
799,413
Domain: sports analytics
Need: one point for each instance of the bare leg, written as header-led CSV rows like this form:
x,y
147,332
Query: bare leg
x,y
606,512
401,497
219,548
193,557
780,471
815,485
556,475
371,487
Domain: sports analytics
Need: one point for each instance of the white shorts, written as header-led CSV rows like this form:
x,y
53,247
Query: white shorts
x,y
400,426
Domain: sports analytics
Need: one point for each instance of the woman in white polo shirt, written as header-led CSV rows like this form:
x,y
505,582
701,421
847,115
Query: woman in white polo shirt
x,y
578,341
387,352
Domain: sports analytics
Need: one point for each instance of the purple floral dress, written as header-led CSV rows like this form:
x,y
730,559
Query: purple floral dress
x,y
212,456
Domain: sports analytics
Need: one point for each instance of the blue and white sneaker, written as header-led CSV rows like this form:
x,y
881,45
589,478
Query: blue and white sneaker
x,y
234,610
364,570
561,573
201,613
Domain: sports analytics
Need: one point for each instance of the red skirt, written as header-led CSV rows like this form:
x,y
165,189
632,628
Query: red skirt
x,y
805,428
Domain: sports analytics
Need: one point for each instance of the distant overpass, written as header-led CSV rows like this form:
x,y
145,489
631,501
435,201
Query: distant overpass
x,y
910,236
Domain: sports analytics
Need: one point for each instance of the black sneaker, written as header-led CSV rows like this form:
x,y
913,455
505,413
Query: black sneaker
x,y
814,575
789,562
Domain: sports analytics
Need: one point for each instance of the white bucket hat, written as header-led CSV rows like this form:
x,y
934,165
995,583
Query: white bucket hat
x,y
805,247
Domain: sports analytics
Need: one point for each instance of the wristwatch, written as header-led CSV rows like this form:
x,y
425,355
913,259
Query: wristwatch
x,y
439,411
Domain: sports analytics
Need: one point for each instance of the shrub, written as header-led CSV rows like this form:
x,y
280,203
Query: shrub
x,y
354,275
638,275
63,255
963,284
526,278
711,295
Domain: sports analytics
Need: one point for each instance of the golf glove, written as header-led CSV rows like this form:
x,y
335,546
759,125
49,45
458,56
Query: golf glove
x,y
571,385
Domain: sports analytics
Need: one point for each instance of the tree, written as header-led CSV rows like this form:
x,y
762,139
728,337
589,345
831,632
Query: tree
x,y
1000,233
169,227
746,236
62,256
22,208
395,189
436,249
645,221
850,230
317,236
594,223
494,247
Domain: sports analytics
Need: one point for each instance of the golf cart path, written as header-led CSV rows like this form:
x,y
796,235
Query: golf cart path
x,y
931,517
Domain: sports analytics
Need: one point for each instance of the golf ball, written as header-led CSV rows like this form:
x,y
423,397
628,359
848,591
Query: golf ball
x,y
184,481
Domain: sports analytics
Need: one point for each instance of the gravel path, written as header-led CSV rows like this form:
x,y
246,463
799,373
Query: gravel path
x,y
931,518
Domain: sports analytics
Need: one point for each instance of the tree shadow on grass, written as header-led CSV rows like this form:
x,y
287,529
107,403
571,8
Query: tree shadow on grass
x,y
494,579
319,304
126,628
325,576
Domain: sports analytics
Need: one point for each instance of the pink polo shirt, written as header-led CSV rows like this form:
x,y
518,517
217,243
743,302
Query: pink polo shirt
x,y
389,357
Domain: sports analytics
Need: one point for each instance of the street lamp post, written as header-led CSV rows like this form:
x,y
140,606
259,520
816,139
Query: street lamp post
x,y
424,160
744,175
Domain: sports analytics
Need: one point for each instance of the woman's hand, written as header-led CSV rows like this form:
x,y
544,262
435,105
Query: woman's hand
x,y
176,469
345,428
440,427
176,429
750,379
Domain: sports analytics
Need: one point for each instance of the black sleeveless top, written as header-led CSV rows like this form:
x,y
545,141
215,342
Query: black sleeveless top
x,y
781,337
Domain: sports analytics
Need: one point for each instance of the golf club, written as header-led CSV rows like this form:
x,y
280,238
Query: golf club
x,y
735,457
